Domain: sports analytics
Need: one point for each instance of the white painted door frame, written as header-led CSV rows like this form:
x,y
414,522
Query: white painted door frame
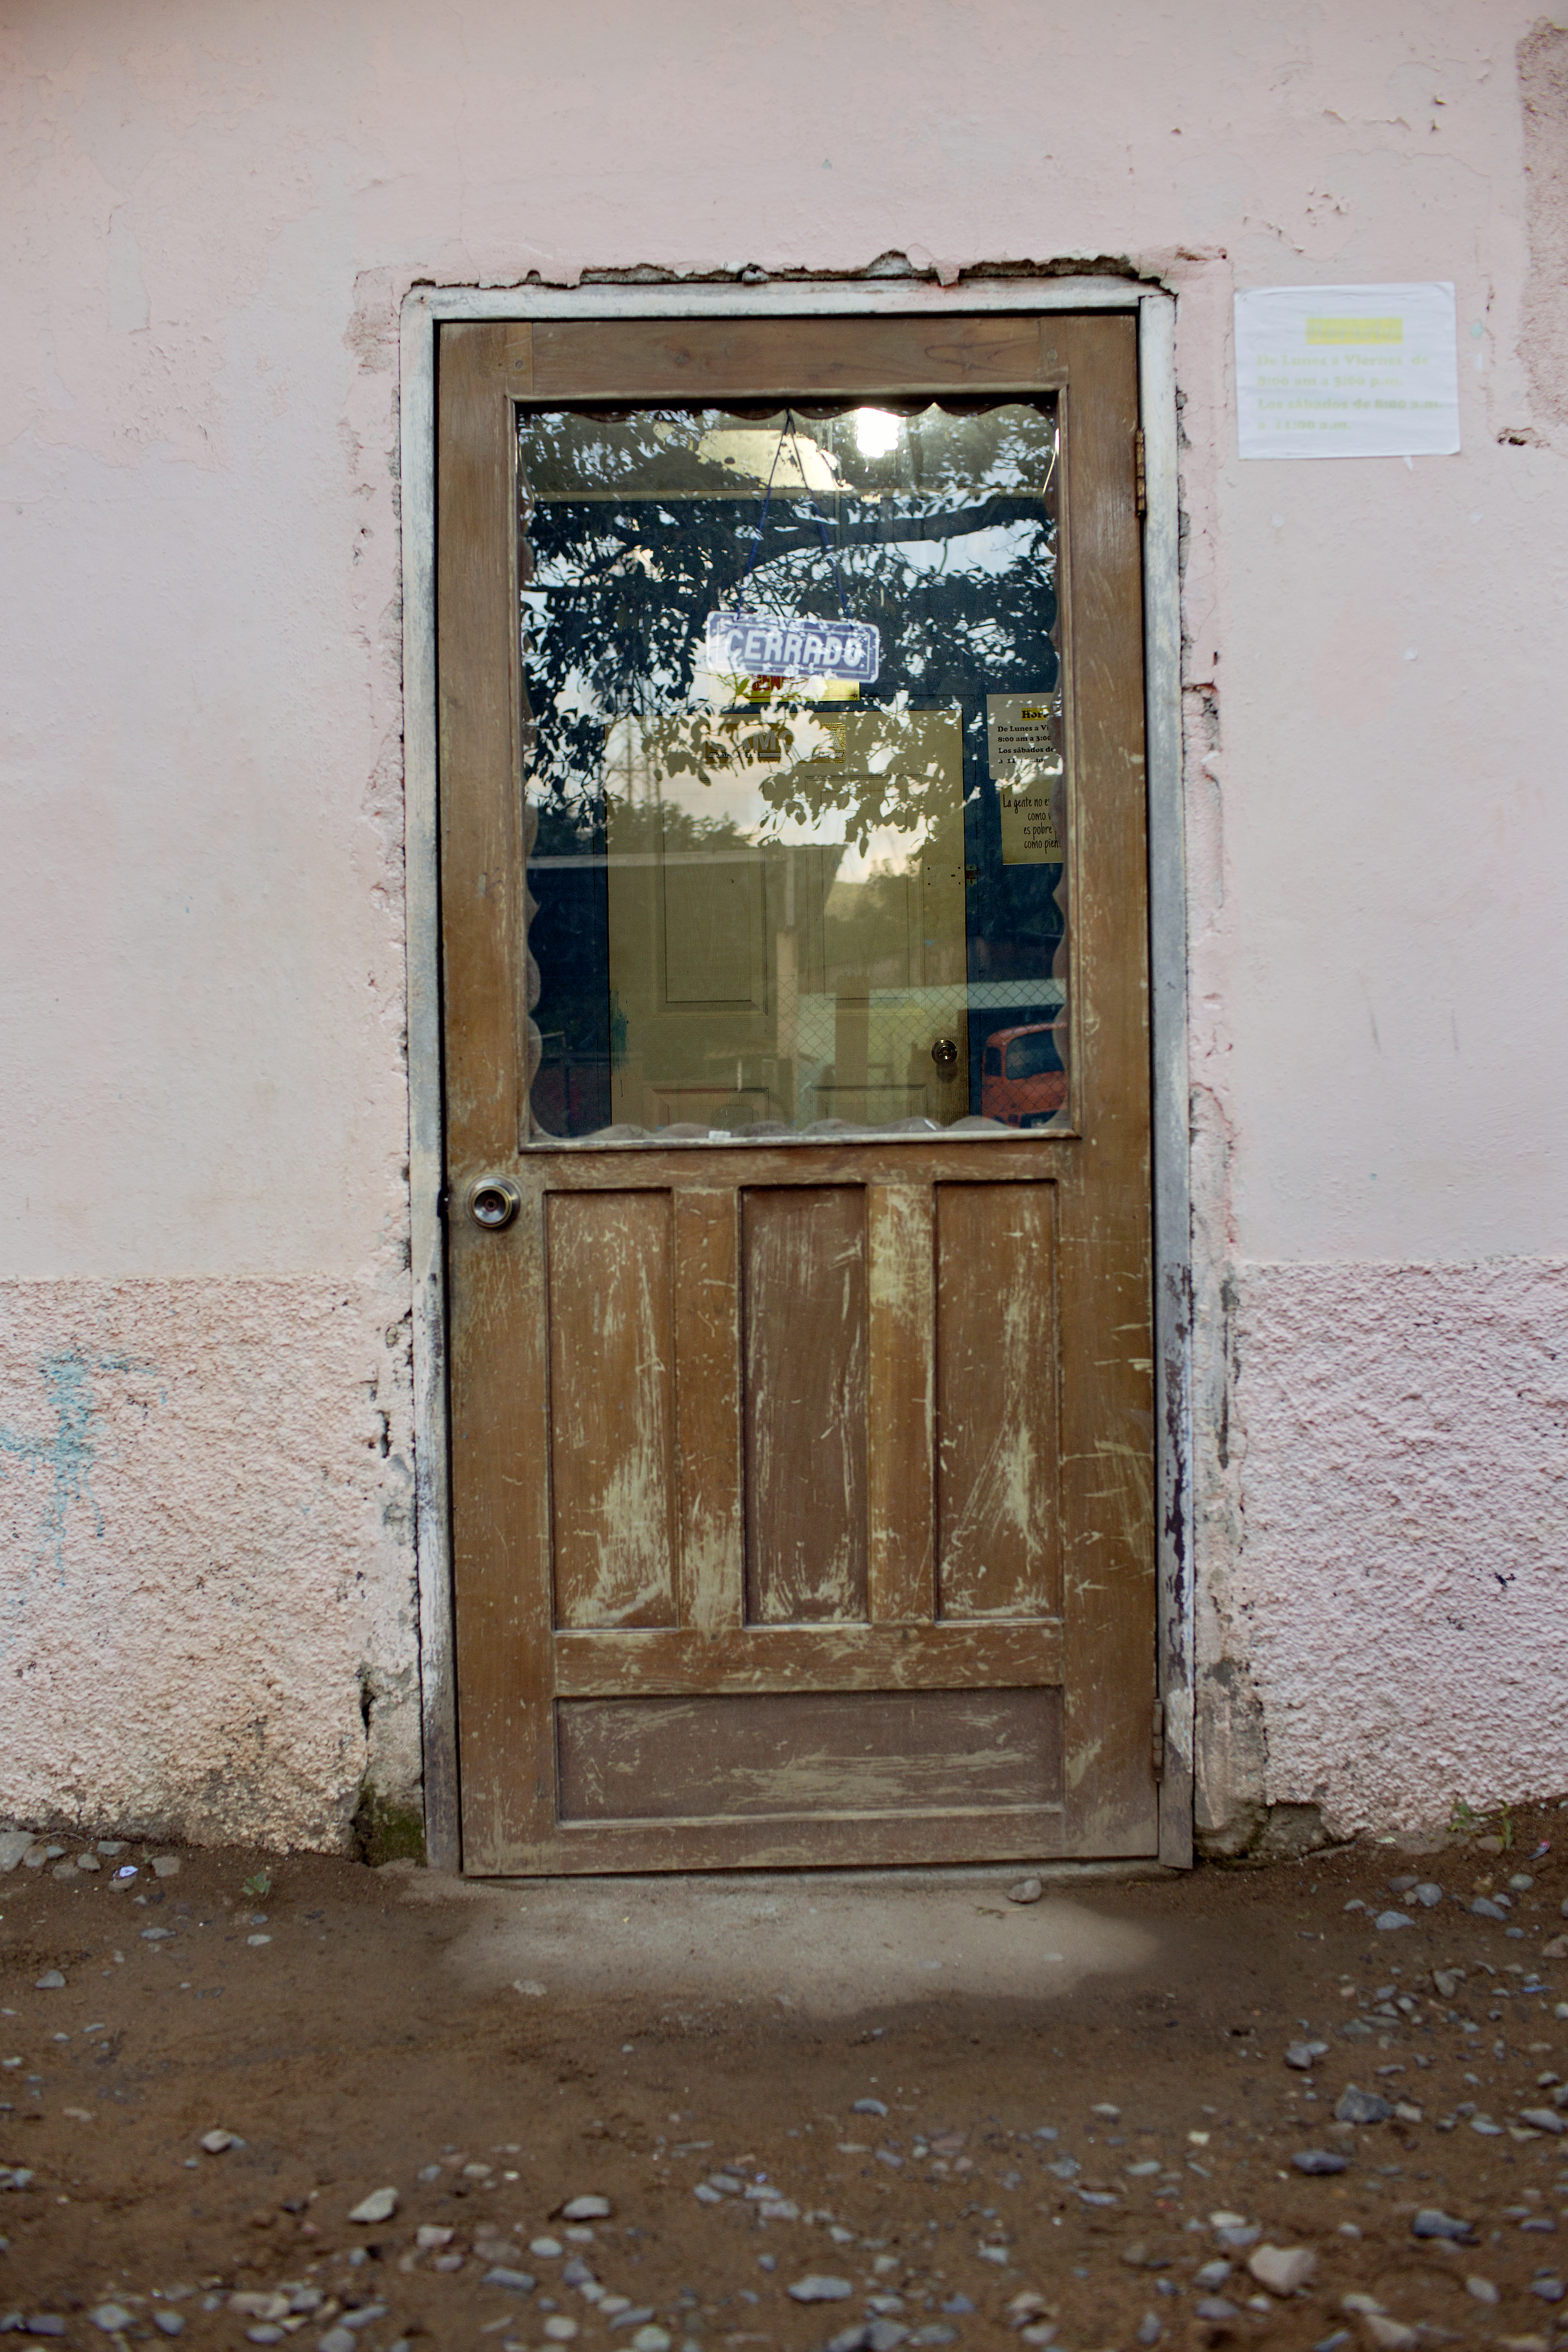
x,y
424,312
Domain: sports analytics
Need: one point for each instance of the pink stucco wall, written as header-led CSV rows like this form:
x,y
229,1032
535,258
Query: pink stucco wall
x,y
213,213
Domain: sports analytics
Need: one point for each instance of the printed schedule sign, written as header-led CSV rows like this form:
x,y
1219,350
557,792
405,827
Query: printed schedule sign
x,y
1347,372
1023,747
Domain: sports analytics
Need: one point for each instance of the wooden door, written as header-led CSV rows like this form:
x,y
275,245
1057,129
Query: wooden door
x,y
802,1473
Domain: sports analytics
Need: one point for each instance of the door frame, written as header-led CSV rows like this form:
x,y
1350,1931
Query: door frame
x,y
425,309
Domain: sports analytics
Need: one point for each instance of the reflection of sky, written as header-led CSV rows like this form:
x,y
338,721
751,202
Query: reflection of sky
x,y
992,549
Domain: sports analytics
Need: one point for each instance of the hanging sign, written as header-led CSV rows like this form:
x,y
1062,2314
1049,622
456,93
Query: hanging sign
x,y
748,645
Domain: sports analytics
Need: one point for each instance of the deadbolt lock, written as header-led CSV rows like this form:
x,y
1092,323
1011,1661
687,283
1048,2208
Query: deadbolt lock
x,y
944,1054
494,1202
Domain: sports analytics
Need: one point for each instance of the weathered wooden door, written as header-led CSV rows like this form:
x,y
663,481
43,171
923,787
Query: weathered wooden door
x,y
797,1092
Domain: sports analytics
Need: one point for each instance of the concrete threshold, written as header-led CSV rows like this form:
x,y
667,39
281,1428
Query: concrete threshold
x,y
824,1943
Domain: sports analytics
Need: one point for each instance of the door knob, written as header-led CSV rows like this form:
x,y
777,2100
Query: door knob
x,y
494,1202
944,1054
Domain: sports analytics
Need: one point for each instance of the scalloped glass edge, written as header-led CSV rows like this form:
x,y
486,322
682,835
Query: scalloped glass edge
x,y
768,1132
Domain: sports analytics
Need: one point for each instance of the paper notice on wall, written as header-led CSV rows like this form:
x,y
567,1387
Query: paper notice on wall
x,y
1347,372
1023,742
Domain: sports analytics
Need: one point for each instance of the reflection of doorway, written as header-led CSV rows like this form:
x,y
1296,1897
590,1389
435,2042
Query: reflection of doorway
x,y
765,977
801,1486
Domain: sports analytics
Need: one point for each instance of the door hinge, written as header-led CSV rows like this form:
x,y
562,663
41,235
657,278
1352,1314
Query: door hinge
x,y
1141,477
1157,1741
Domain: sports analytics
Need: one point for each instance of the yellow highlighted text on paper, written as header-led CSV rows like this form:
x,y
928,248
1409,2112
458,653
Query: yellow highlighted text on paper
x,y
1356,331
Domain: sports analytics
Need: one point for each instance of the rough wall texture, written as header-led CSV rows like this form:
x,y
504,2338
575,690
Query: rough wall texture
x,y
1403,1580
1543,324
214,210
207,1623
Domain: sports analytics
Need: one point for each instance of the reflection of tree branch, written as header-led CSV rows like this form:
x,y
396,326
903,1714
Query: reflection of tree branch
x,y
612,639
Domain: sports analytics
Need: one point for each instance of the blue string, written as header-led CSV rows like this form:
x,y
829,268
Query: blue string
x,y
817,513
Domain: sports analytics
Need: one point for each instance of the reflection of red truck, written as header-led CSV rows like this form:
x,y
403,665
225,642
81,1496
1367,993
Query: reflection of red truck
x,y
1022,1081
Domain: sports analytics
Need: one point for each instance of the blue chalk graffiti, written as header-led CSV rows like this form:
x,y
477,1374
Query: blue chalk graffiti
x,y
67,1453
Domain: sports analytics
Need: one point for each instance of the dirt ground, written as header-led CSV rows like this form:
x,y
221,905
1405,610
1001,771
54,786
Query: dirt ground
x,y
1073,2090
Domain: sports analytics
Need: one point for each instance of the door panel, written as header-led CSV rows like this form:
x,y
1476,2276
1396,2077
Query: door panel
x,y
611,1407
998,1492
808,1754
805,1291
801,1478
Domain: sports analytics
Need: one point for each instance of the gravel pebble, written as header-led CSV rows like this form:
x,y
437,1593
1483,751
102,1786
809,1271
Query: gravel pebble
x,y
1390,2335
112,2317
1027,1890
1357,2106
378,2205
587,2208
1389,1920
1283,2270
818,2288
1431,2221
1316,2160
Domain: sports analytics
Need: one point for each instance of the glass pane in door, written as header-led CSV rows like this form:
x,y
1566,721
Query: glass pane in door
x,y
794,769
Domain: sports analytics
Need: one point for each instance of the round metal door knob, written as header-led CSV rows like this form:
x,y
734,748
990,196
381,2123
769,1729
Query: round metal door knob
x,y
494,1202
944,1054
